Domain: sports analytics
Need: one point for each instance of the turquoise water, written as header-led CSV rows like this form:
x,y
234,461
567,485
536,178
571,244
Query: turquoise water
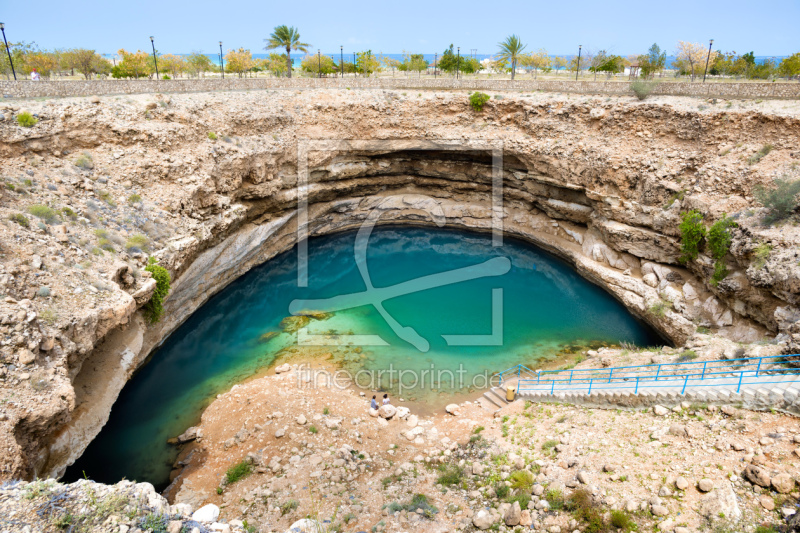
x,y
545,306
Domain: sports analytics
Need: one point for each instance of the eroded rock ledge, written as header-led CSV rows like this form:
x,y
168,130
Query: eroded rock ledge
x,y
601,183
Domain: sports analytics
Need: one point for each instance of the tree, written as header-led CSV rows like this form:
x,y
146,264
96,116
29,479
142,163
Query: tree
x,y
653,62
559,62
790,66
286,37
277,64
316,64
172,64
470,65
392,63
537,60
367,63
88,62
694,54
610,64
197,63
413,63
451,61
41,61
238,61
132,65
510,50
18,50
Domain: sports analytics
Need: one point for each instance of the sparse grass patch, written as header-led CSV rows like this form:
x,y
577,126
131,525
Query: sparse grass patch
x,y
138,242
555,498
761,255
289,506
761,154
85,161
45,213
521,480
20,219
134,199
238,471
419,502
106,197
450,475
313,429
549,444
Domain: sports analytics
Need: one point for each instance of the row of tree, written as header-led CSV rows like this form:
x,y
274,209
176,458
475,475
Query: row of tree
x,y
691,60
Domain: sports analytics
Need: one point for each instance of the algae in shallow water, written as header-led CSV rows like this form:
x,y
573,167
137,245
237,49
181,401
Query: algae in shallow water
x,y
291,324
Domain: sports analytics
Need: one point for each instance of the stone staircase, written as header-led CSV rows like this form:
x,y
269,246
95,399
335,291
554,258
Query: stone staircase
x,y
767,389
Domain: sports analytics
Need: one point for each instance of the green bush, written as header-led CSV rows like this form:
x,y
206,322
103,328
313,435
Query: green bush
x,y
134,199
69,213
758,156
781,200
20,219
154,308
212,135
642,89
289,506
549,444
477,100
238,471
555,498
450,475
719,242
43,212
621,520
501,489
26,120
692,234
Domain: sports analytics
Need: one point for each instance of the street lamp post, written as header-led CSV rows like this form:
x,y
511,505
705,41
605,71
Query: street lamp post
x,y
458,59
435,63
578,67
341,59
3,28
221,61
155,59
708,57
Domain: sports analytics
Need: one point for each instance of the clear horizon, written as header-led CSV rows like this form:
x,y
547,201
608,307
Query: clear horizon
x,y
418,27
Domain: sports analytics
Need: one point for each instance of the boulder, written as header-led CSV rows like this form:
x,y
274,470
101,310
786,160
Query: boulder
x,y
659,510
583,477
525,518
301,420
720,502
513,515
190,434
412,421
660,410
757,475
482,519
783,483
705,485
678,430
452,409
207,513
285,367
373,413
403,412
681,483
387,411
280,433
26,357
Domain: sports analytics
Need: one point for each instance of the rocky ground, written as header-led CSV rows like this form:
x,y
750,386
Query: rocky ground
x,y
205,183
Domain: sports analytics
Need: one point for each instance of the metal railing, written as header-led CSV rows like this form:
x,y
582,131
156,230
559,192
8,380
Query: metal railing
x,y
719,373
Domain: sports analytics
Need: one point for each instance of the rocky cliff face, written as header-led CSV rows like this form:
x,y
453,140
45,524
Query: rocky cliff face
x,y
600,182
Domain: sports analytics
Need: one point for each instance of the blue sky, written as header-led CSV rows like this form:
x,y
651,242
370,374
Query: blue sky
x,y
767,27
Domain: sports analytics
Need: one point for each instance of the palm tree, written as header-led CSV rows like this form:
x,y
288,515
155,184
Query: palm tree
x,y
286,37
510,50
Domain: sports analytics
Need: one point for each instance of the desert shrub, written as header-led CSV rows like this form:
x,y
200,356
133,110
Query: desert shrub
x,y
660,307
20,219
522,480
761,154
524,498
420,502
761,255
687,355
289,506
106,245
238,471
313,429
555,498
212,135
43,212
26,120
642,89
581,504
549,444
154,308
719,241
692,234
84,161
134,199
621,520
106,197
781,200
137,242
477,100
501,489
154,522
450,475
69,213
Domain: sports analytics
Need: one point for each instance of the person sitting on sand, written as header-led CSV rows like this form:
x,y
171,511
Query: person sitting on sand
x,y
385,399
374,403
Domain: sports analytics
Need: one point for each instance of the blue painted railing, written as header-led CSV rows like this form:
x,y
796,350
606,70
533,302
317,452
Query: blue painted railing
x,y
718,373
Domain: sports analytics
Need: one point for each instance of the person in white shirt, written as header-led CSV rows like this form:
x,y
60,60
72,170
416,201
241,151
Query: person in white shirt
x,y
35,75
385,399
